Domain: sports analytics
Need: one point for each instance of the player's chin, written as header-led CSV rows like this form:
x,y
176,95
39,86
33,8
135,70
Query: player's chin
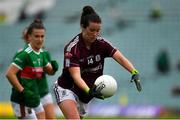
x,y
39,46
92,39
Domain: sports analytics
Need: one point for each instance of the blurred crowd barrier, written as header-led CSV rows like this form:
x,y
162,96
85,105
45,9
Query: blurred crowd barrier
x,y
110,111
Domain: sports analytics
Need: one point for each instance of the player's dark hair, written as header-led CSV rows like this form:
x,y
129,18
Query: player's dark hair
x,y
89,15
24,34
36,24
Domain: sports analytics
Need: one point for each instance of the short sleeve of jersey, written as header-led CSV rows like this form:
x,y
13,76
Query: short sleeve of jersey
x,y
109,49
47,55
20,59
74,61
46,58
70,59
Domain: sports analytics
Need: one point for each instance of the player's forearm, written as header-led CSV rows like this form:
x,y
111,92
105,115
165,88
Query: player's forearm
x,y
80,82
82,85
123,61
14,81
127,65
49,70
11,76
75,73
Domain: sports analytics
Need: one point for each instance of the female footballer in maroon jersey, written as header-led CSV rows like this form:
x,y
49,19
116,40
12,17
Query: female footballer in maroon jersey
x,y
84,59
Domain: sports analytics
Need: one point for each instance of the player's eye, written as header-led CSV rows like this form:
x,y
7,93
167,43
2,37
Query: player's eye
x,y
42,36
39,36
94,30
36,36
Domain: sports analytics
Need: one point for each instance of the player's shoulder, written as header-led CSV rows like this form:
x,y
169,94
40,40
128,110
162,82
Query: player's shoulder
x,y
101,39
104,42
28,49
21,51
24,51
75,40
44,50
72,43
20,54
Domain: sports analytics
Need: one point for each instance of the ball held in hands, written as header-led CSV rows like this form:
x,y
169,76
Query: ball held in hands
x,y
95,92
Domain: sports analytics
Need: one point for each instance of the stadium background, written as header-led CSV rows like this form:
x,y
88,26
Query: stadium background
x,y
129,25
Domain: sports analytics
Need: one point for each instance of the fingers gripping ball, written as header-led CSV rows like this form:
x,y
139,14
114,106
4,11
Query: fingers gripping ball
x,y
107,85
96,93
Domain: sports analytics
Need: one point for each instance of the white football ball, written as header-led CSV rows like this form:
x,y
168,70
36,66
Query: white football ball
x,y
107,85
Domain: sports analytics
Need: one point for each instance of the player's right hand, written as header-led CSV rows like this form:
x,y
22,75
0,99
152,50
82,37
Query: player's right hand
x,y
95,92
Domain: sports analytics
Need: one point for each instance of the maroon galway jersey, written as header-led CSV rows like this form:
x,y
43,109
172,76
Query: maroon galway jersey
x,y
91,63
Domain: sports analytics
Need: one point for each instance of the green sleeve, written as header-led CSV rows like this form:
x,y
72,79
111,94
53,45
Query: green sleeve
x,y
20,59
46,58
47,55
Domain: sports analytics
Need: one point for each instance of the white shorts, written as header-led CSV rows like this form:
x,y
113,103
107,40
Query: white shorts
x,y
24,112
62,94
47,99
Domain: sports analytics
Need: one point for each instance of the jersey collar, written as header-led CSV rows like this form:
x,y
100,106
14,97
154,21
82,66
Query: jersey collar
x,y
34,50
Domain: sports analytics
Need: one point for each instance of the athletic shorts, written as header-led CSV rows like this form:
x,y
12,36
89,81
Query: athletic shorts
x,y
24,112
47,99
62,94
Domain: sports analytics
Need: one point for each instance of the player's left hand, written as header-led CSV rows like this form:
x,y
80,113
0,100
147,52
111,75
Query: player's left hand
x,y
136,78
55,65
95,92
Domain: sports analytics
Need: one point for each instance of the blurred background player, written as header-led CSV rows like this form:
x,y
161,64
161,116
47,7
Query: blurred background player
x,y
26,69
46,97
84,59
163,62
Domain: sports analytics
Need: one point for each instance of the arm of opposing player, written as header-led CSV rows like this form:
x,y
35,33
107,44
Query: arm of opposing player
x,y
11,76
76,75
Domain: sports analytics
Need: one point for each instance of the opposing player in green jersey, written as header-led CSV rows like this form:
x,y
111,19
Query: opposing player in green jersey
x,y
26,69
46,97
